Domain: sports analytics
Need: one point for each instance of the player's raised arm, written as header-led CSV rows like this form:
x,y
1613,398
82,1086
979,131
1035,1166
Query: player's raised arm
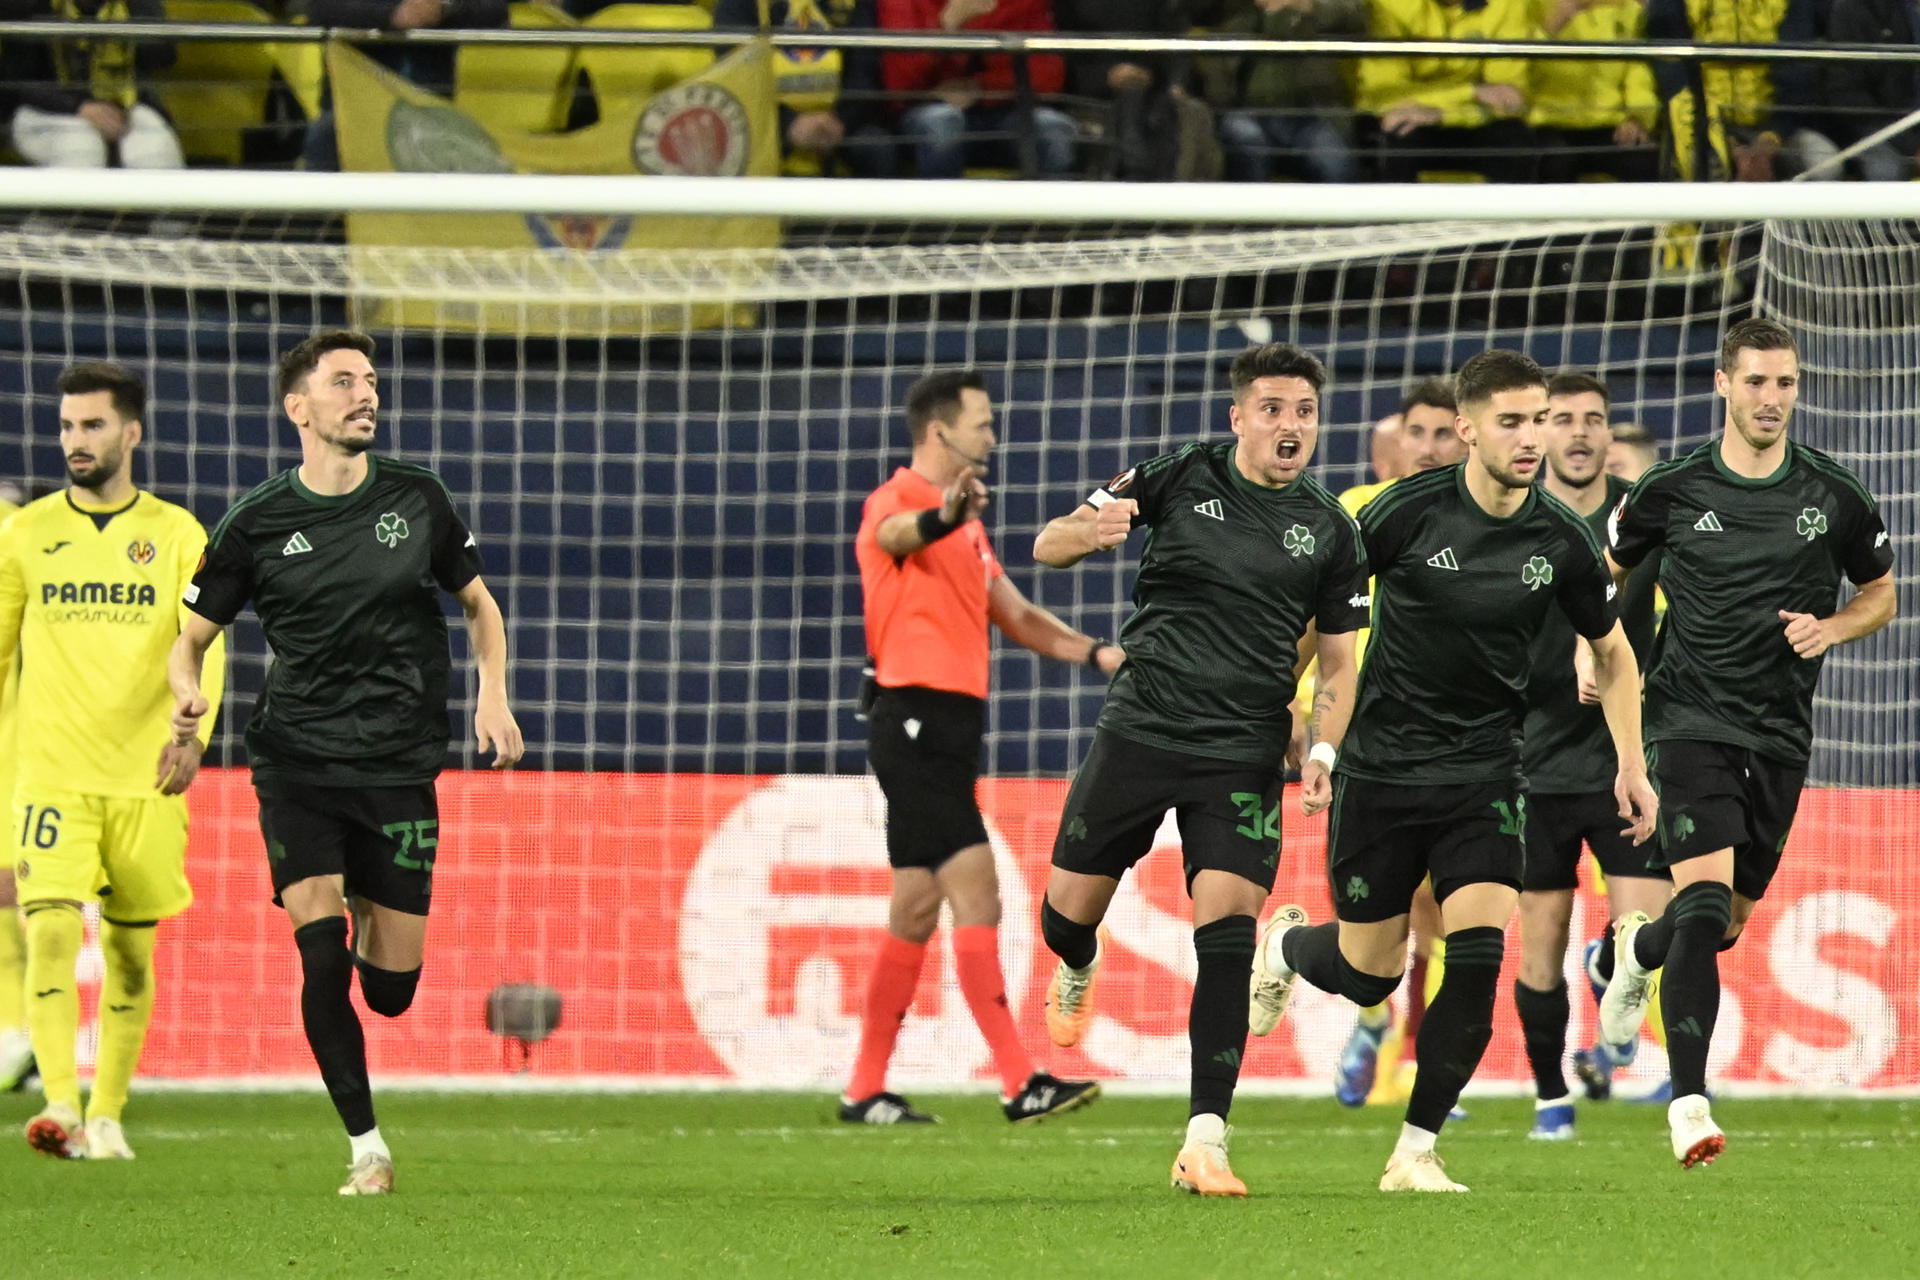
x,y
1067,540
493,724
1033,627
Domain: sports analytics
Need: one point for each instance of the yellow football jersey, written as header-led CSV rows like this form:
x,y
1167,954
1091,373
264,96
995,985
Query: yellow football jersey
x,y
1351,500
9,690
93,603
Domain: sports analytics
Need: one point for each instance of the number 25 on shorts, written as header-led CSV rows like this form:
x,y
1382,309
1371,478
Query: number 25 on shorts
x,y
416,841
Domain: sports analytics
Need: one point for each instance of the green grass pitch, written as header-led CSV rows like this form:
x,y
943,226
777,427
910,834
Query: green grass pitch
x,y
551,1185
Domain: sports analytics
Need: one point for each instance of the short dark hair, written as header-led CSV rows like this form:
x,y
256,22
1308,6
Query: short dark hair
x,y
937,397
1491,372
1436,393
296,364
1632,433
1275,360
1754,334
121,383
1571,383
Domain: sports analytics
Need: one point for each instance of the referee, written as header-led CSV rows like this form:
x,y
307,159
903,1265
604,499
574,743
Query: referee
x,y
932,583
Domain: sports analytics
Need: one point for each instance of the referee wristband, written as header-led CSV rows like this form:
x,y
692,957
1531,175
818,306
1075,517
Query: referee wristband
x,y
933,526
1323,754
1093,653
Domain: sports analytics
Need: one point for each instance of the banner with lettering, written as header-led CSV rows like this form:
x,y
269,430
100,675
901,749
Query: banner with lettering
x,y
719,929
720,122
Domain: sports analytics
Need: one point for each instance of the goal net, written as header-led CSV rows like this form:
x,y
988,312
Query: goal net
x,y
664,454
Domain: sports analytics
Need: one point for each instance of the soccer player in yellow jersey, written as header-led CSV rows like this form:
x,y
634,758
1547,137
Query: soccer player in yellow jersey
x,y
90,585
1428,439
16,1049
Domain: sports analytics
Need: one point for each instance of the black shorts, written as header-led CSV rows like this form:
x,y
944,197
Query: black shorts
x,y
1717,796
1385,838
1557,825
1228,811
924,745
381,839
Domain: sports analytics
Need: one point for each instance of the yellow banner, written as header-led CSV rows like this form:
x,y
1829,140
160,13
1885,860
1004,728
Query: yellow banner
x,y
722,122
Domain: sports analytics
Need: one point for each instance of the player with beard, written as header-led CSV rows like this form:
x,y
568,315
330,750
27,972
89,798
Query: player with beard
x,y
90,584
1756,533
1376,1064
344,558
1245,551
1568,761
1468,561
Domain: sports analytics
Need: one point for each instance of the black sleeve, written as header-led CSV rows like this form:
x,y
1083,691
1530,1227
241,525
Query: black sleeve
x,y
223,583
1346,601
1867,553
150,57
1668,20
1587,594
456,557
1146,484
1384,529
1638,524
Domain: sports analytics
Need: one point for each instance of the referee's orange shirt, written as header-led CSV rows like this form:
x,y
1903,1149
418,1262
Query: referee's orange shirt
x,y
927,611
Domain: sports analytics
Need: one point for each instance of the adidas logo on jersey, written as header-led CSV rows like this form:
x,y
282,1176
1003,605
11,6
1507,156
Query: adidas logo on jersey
x,y
1708,523
1443,559
1211,507
296,545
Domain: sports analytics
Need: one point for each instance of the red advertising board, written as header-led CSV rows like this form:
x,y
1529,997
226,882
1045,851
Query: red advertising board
x,y
718,929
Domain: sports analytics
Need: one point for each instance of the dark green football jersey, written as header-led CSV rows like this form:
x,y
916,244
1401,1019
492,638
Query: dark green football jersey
x,y
1459,597
1566,749
347,590
1735,552
1230,576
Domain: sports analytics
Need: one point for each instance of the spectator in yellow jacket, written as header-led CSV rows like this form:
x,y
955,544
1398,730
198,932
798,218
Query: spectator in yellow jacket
x,y
1757,116
1452,113
1593,117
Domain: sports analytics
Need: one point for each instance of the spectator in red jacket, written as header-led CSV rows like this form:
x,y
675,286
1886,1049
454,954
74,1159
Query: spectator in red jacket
x,y
957,108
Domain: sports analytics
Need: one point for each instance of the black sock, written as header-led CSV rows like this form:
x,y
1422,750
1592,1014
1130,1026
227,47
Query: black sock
x,y
1603,959
1690,987
1458,1025
1073,942
333,1028
1313,952
1655,938
388,992
1217,1022
1543,1024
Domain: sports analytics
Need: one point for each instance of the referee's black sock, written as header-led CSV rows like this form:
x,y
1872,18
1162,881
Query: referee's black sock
x,y
333,1028
1217,1020
1458,1025
1690,987
1543,1025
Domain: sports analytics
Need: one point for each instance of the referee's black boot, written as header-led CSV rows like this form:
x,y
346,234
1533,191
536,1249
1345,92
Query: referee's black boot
x,y
1044,1095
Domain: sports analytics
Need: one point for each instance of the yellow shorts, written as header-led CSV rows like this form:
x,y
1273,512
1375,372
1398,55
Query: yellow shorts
x,y
131,854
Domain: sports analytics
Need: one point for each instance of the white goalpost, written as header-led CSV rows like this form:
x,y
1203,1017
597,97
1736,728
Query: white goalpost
x,y
664,454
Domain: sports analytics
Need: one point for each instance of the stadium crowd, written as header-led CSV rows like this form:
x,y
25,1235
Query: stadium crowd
x,y
88,102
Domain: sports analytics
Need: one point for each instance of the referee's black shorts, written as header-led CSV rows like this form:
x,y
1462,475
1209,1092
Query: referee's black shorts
x,y
924,745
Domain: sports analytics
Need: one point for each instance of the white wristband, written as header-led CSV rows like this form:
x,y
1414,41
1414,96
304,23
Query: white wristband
x,y
1324,755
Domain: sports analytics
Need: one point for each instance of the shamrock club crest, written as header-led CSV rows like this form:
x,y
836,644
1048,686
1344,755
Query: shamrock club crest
x,y
1536,572
390,529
